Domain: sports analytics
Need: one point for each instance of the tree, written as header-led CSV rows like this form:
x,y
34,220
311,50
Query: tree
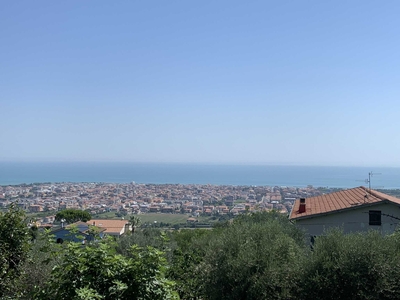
x,y
188,250
153,237
257,256
352,266
14,246
99,273
73,215
134,221
36,269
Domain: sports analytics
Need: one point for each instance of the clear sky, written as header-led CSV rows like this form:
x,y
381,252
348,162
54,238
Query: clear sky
x,y
276,82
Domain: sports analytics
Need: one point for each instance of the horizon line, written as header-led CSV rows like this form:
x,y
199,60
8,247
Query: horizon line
x,y
276,164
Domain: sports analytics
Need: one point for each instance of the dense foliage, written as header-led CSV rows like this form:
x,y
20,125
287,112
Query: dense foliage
x,y
254,256
73,215
96,272
14,246
354,266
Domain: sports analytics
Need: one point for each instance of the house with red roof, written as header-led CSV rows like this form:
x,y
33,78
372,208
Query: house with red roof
x,y
111,227
80,231
353,210
76,232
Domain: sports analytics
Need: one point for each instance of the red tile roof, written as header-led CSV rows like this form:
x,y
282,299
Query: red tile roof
x,y
341,200
109,226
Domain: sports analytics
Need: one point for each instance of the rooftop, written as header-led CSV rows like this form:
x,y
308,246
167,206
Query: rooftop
x,y
340,200
110,226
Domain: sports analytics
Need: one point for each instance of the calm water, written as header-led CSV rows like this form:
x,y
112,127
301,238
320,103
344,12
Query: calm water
x,y
344,177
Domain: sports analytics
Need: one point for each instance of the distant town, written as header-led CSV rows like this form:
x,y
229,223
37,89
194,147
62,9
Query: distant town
x,y
46,199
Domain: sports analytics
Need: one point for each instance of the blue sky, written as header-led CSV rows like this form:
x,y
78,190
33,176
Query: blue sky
x,y
238,82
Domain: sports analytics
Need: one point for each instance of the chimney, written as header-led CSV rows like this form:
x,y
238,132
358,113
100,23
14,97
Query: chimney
x,y
302,207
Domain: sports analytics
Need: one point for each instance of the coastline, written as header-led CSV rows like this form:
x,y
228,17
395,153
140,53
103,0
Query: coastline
x,y
14,173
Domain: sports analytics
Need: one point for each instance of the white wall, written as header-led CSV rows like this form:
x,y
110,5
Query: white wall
x,y
355,219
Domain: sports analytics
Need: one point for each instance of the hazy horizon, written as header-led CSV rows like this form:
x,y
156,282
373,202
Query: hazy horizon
x,y
217,174
228,82
203,163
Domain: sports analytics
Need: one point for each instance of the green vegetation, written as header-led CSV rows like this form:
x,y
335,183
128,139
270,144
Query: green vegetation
x,y
254,256
163,218
106,215
134,221
257,256
102,274
354,266
14,247
240,201
41,214
166,220
73,215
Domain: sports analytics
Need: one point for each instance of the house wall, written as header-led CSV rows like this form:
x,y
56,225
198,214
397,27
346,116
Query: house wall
x,y
353,220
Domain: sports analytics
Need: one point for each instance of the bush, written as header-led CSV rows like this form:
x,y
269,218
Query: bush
x,y
96,272
257,256
352,266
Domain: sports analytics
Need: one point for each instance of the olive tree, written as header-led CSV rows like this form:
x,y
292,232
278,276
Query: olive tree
x,y
352,266
257,256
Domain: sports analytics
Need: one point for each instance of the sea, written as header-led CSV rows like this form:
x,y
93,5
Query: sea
x,y
14,173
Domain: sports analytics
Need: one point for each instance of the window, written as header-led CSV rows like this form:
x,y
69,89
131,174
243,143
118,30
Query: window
x,y
375,217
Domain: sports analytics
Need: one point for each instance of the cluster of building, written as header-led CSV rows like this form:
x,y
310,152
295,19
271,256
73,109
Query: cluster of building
x,y
313,209
133,198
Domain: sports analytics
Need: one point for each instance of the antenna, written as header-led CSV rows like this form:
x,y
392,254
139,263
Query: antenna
x,y
368,181
370,174
364,180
